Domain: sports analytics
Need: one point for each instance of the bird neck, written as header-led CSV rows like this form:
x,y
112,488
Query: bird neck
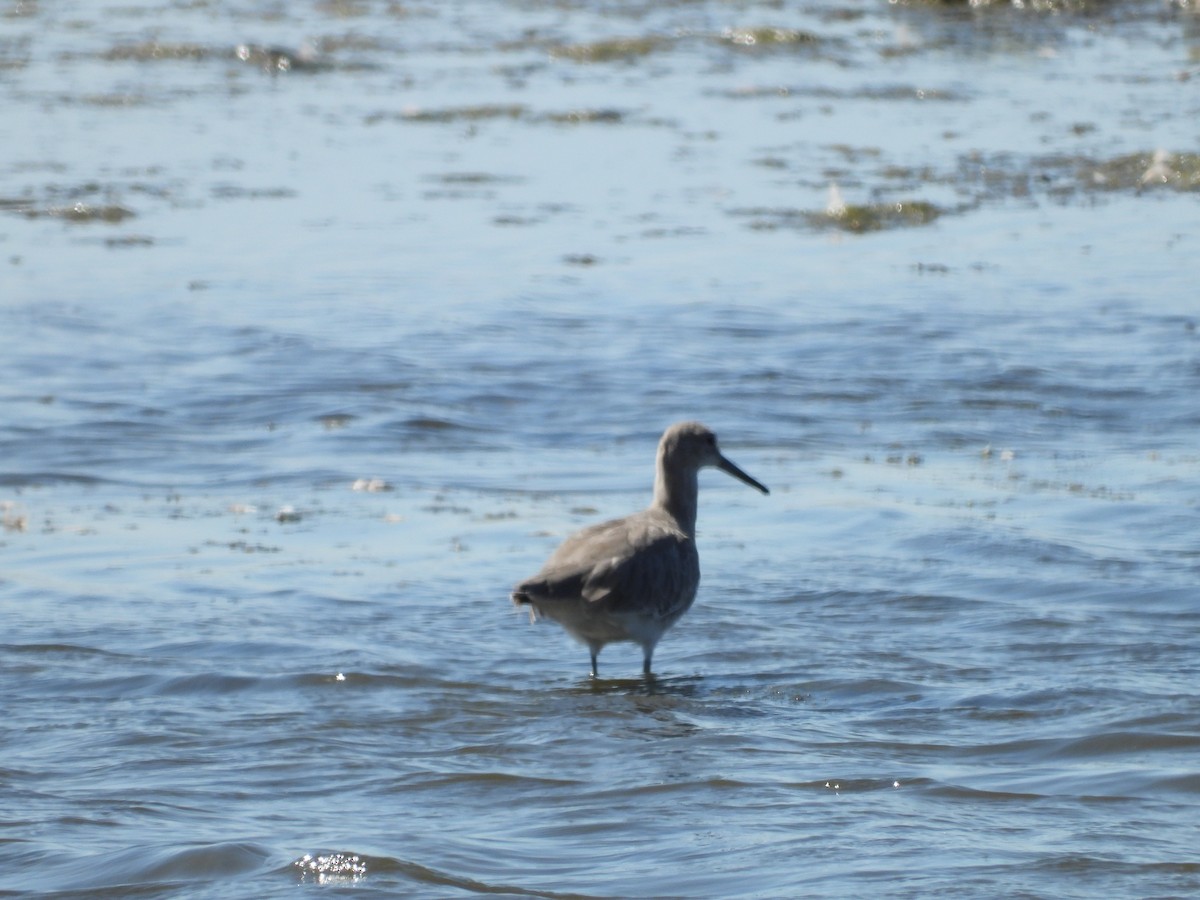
x,y
675,492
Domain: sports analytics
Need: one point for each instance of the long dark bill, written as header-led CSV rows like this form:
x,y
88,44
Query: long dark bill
x,y
726,466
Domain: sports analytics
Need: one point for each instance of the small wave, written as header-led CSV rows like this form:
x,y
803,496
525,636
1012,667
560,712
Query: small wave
x,y
146,867
340,867
1122,742
981,795
207,683
330,868
42,479
1186,783
501,781
74,651
1092,866
861,785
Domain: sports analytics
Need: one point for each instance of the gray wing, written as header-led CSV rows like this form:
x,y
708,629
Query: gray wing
x,y
632,563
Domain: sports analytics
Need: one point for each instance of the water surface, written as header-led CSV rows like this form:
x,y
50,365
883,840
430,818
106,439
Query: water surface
x,y
321,324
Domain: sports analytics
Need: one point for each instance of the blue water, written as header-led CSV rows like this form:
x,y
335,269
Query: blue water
x,y
304,369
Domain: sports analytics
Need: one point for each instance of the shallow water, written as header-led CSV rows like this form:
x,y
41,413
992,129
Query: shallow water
x,y
311,353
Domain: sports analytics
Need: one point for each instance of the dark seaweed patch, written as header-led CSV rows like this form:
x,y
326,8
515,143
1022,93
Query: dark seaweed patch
x,y
612,49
